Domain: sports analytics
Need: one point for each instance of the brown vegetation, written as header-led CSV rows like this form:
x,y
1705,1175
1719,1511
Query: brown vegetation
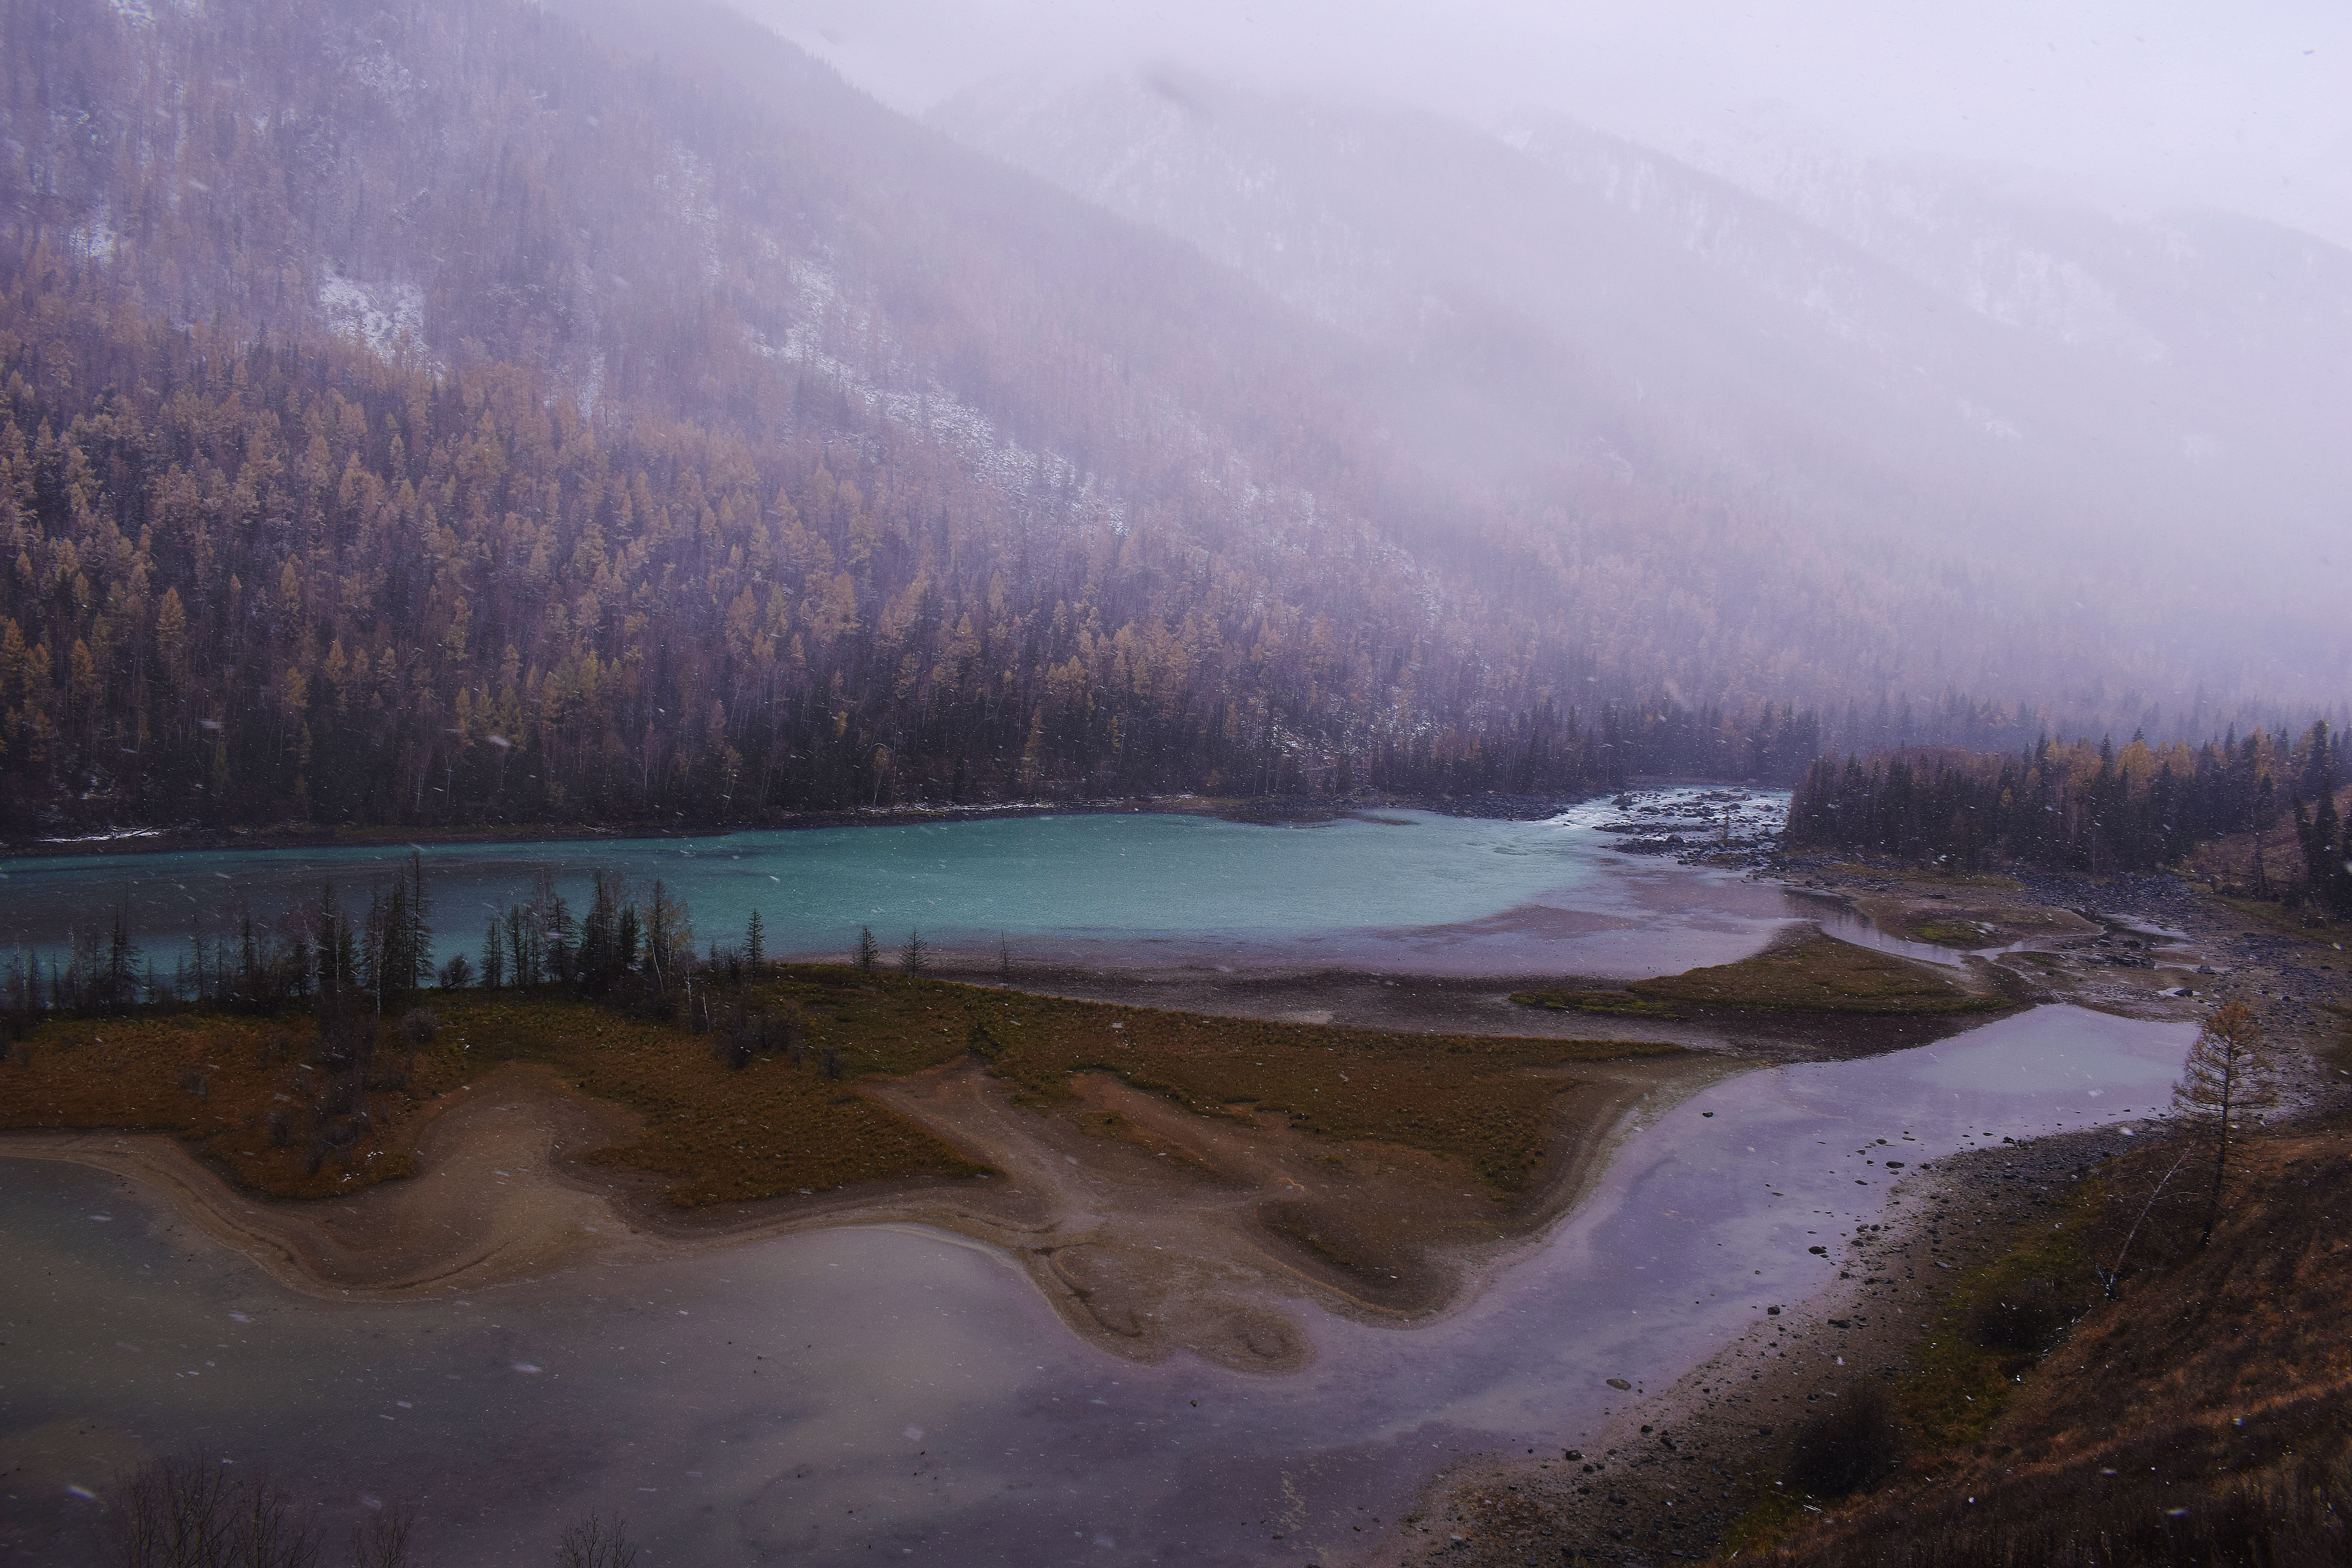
x,y
1609,1003
1810,972
769,1102
1817,974
2205,1416
245,1092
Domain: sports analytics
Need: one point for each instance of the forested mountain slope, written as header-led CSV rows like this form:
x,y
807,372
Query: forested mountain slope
x,y
469,412
2118,423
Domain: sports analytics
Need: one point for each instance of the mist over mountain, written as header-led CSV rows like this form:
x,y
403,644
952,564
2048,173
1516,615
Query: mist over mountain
x,y
483,411
2132,416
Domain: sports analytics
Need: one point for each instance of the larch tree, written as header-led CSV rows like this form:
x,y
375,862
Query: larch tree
x,y
2231,1076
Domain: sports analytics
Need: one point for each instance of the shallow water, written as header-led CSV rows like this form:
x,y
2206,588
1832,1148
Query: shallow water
x,y
1408,891
918,1399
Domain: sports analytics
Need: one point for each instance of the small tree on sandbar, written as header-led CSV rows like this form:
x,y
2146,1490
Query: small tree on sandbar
x,y
2230,1077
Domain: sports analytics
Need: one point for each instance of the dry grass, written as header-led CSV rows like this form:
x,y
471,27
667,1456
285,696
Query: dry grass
x,y
1996,1321
1953,931
2205,1417
1476,1099
779,1125
1813,974
1816,973
1609,1003
214,1082
718,1134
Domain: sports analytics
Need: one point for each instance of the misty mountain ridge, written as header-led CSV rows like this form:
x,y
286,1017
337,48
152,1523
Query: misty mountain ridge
x,y
388,392
1902,355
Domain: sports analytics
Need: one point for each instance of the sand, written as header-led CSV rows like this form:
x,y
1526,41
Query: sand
x,y
1150,1229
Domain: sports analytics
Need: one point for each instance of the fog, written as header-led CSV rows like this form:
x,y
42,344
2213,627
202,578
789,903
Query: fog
x,y
2244,108
1071,402
2064,291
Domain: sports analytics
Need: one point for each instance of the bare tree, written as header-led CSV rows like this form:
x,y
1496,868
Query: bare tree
x,y
915,957
176,1514
266,1534
2229,1077
187,1512
593,1544
383,1540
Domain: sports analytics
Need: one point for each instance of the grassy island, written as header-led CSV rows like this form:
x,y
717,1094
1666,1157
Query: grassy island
x,y
769,1101
1809,974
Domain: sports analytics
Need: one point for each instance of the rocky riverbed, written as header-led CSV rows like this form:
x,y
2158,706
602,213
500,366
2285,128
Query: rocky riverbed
x,y
1690,1471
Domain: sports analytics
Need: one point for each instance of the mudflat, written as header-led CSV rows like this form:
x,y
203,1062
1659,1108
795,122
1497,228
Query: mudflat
x,y
1149,1228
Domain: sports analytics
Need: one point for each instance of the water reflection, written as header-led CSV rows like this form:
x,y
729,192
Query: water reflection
x,y
827,1397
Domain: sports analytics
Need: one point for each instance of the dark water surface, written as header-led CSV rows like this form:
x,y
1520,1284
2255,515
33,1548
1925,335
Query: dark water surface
x,y
918,1400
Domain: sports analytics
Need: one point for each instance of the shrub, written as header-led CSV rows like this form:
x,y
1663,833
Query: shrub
x,y
2026,1318
1853,1442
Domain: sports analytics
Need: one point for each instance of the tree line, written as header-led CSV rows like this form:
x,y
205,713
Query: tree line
x,y
2077,806
259,583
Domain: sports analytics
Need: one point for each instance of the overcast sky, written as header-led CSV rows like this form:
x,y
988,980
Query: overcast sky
x,y
2245,104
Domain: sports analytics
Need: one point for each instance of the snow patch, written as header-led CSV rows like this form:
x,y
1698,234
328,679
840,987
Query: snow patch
x,y
383,317
94,239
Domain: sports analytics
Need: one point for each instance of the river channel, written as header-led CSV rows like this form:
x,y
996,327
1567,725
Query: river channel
x,y
894,1394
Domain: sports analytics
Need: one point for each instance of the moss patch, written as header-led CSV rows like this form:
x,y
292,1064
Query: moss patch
x,y
1816,973
1953,932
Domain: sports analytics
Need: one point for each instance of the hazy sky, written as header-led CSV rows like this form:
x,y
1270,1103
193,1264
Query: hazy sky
x,y
2237,103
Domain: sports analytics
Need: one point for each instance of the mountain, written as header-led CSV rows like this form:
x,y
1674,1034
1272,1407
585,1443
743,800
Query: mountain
x,y
2225,341
476,412
2132,415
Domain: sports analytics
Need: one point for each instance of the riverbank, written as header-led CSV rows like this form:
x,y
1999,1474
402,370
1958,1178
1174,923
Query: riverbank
x,y
1150,1229
1761,1023
1696,1469
1692,1469
2203,1416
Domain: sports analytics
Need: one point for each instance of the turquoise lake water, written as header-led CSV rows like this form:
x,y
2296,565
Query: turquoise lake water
x,y
1409,891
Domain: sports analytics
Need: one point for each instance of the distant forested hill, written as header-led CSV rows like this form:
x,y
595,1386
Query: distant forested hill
x,y
2098,809
446,413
